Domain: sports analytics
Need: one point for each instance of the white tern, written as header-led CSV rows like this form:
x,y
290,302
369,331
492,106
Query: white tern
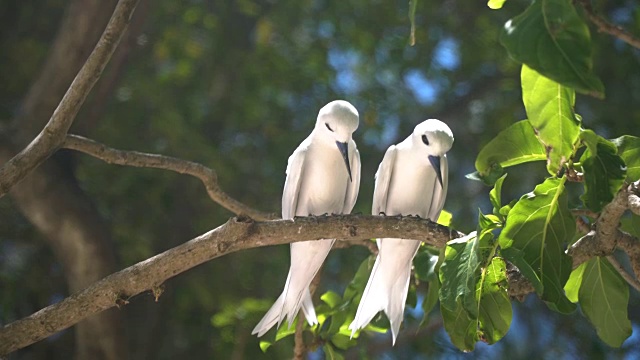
x,y
323,177
412,179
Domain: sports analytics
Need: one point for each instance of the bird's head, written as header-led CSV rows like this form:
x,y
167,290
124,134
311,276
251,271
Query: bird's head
x,y
435,138
336,122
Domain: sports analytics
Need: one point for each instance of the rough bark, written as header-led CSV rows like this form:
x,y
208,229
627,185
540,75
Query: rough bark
x,y
49,197
237,234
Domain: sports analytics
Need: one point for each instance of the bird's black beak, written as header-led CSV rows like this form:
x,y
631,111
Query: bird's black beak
x,y
435,162
344,150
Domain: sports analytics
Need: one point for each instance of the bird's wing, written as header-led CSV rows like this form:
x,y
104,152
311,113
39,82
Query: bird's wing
x,y
295,168
439,192
354,185
383,177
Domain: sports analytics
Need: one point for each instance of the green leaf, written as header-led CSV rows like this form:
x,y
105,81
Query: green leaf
x,y
494,305
343,342
285,330
631,225
459,274
549,107
629,151
572,287
424,263
413,4
444,218
264,345
537,230
495,195
516,144
604,297
354,290
330,353
496,4
461,329
604,174
431,299
488,222
331,298
551,38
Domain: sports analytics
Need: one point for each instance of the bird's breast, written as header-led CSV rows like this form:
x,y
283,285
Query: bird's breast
x,y
324,184
411,190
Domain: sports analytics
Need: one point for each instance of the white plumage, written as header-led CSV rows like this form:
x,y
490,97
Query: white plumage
x,y
412,179
323,177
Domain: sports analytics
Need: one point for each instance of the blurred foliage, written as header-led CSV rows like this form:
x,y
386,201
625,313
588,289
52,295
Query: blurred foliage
x,y
237,85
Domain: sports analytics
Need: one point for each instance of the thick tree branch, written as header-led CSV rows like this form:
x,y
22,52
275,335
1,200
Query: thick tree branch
x,y
53,134
237,234
137,159
606,27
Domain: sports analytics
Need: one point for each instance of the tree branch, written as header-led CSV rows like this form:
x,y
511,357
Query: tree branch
x,y
137,159
606,27
235,235
53,134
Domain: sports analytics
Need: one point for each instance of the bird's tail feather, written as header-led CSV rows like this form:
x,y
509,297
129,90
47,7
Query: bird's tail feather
x,y
386,290
306,260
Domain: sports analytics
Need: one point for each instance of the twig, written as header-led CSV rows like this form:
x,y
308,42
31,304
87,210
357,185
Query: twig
x,y
53,134
137,159
235,235
606,27
623,272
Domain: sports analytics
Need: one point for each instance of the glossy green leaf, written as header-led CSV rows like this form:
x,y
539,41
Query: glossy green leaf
x,y
572,287
629,150
445,218
537,230
549,107
495,195
461,329
494,305
631,225
331,298
604,297
551,38
488,222
264,345
493,309
284,330
516,144
496,4
604,174
459,274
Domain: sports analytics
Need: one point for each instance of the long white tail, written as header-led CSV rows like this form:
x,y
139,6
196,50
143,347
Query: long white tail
x,y
306,259
388,285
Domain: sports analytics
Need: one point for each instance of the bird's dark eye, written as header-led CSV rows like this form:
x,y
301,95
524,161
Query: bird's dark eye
x,y
425,140
329,127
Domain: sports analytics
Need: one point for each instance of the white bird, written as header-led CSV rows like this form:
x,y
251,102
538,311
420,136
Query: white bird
x,y
318,182
412,179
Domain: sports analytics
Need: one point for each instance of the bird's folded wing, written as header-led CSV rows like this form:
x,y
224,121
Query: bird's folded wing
x,y
383,178
295,169
354,185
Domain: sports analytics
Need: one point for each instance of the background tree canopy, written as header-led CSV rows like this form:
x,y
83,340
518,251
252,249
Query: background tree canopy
x,y
236,85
